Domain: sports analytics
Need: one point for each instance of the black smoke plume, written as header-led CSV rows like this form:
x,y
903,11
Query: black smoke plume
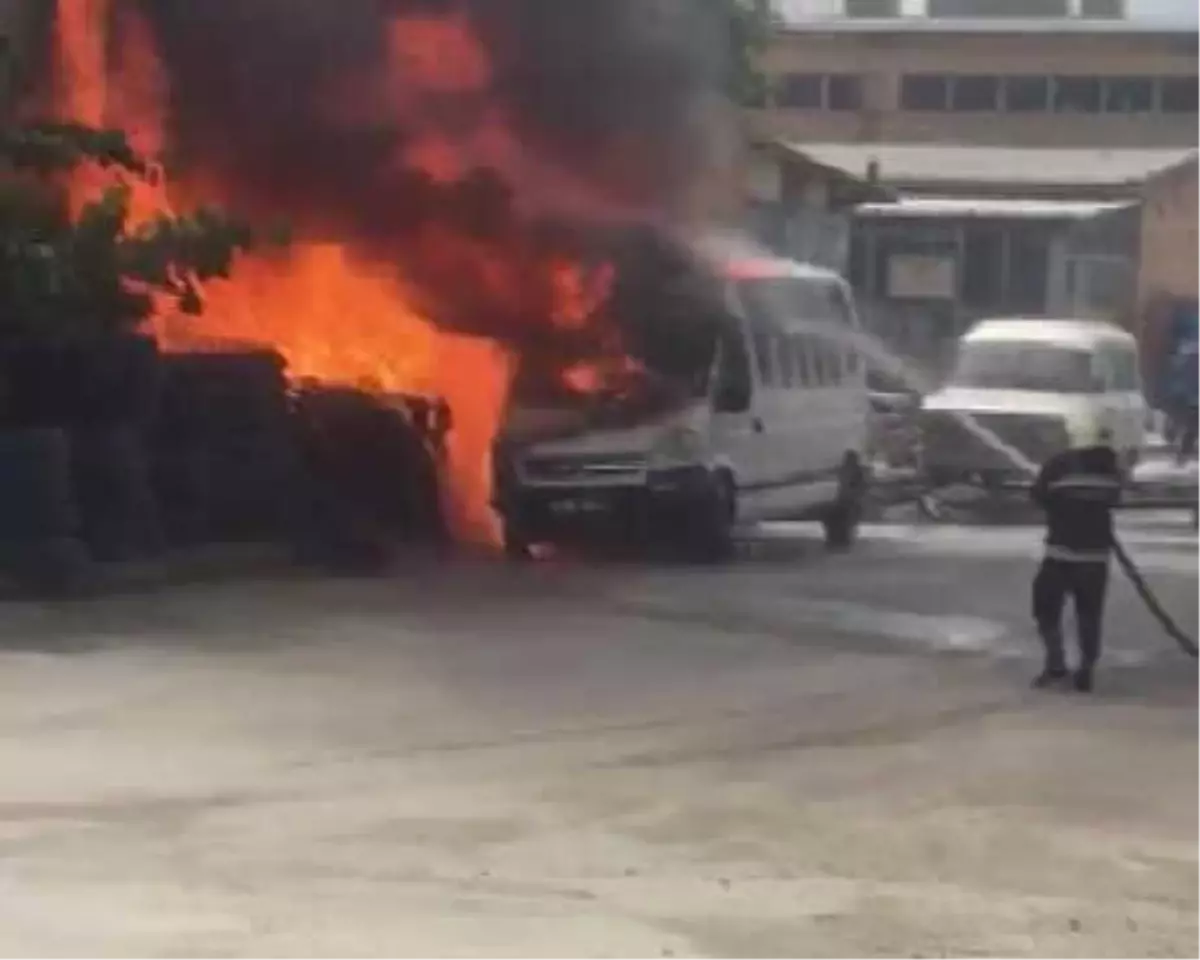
x,y
297,109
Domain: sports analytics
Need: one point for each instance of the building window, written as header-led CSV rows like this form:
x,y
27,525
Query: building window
x,y
1032,94
845,92
975,94
872,9
800,91
994,9
925,92
1027,94
1078,95
1179,95
1102,9
1129,95
818,91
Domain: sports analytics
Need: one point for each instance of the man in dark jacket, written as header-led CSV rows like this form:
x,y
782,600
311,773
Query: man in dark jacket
x,y
1078,490
1184,401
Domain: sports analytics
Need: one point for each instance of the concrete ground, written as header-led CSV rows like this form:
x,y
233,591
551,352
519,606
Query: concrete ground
x,y
795,755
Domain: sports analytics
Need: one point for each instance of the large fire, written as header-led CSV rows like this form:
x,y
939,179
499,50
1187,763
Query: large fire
x,y
335,309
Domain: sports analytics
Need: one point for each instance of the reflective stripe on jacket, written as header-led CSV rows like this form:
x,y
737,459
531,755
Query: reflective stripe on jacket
x,y
1078,490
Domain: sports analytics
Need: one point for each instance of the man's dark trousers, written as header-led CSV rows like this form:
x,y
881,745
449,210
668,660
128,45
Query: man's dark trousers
x,y
1084,582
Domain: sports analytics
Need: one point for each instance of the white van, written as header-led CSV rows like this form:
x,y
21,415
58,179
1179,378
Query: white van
x,y
775,429
1041,386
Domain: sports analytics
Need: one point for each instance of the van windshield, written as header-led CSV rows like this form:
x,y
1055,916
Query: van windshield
x,y
669,324
1025,366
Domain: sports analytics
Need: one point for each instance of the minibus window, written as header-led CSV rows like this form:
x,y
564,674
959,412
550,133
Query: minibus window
x,y
764,354
732,392
789,375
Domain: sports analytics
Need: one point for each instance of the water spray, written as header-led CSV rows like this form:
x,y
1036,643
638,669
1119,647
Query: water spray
x,y
886,362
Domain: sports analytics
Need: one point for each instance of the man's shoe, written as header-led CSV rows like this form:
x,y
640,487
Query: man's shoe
x,y
1084,683
1049,678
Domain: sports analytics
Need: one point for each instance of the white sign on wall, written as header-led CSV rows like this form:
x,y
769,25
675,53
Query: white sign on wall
x,y
917,277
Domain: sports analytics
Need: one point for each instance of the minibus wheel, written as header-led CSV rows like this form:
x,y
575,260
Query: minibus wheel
x,y
845,516
713,540
516,546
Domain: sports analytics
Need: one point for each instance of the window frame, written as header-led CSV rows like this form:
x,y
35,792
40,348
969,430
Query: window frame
x,y
1006,93
964,81
1063,83
854,83
1185,83
1110,86
910,81
782,81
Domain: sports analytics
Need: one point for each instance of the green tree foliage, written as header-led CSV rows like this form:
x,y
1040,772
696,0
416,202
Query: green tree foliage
x,y
94,275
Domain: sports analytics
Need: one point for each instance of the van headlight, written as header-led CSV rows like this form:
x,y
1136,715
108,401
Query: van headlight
x,y
679,447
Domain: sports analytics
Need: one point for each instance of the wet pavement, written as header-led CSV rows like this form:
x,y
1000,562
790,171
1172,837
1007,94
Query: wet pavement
x,y
797,754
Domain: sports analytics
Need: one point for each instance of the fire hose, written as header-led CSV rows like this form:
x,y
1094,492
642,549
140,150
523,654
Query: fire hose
x,y
928,505
1186,643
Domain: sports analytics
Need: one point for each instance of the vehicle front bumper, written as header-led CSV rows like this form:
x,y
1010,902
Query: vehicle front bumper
x,y
662,505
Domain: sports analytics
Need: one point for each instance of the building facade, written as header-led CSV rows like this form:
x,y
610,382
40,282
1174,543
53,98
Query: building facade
x,y
801,208
925,270
1031,81
1042,154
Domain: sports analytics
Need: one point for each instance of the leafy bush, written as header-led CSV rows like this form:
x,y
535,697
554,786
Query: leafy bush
x,y
92,275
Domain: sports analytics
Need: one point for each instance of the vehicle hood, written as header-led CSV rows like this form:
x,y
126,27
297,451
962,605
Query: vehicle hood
x,y
567,433
973,400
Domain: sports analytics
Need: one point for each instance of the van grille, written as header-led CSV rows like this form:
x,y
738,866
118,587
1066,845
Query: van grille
x,y
947,441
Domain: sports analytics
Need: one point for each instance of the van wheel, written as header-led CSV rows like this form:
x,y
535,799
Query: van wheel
x,y
844,518
712,538
516,546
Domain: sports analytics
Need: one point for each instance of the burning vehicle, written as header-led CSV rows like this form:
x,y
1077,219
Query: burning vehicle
x,y
452,172
756,408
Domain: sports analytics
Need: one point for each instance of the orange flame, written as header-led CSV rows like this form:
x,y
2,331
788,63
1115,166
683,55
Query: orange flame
x,y
129,94
81,93
578,292
591,377
335,315
339,319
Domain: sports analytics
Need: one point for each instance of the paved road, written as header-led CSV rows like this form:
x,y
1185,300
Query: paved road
x,y
799,754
